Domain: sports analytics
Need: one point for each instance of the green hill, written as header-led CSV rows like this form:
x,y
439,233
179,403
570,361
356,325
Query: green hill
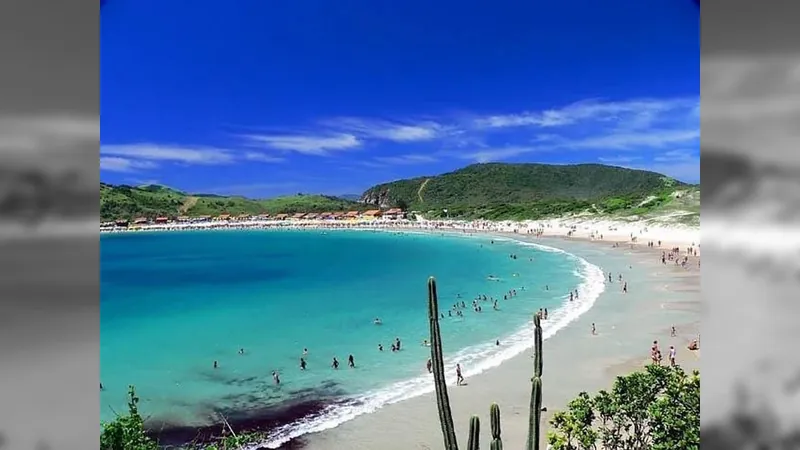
x,y
128,202
531,191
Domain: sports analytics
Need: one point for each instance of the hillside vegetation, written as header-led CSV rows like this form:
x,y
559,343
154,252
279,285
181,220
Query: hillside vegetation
x,y
530,191
128,202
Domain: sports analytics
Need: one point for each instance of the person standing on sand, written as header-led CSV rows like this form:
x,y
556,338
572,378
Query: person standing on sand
x,y
672,356
459,376
594,329
673,333
625,288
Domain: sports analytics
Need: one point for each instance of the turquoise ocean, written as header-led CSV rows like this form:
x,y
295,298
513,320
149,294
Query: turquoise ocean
x,y
172,303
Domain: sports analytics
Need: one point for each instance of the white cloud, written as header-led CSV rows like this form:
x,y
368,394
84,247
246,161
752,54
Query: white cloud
x,y
169,153
319,145
406,159
117,164
635,141
386,130
262,157
676,155
639,113
495,154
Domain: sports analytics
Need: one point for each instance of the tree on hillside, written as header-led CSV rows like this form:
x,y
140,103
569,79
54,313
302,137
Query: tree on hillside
x,y
654,409
402,204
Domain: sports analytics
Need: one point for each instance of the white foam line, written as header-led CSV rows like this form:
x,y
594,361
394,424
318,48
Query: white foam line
x,y
475,360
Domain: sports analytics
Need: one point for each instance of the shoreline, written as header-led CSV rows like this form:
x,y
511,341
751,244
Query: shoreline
x,y
589,228
551,236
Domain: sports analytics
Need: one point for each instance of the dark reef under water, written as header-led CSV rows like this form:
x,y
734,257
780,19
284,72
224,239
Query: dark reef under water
x,y
248,416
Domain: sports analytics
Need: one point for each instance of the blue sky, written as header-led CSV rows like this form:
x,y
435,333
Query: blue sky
x,y
264,98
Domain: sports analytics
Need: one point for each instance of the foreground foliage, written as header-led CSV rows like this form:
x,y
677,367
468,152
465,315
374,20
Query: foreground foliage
x,y
654,409
127,432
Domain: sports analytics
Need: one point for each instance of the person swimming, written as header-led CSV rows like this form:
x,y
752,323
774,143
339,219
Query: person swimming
x,y
215,364
305,351
397,343
302,364
380,347
377,321
276,377
335,363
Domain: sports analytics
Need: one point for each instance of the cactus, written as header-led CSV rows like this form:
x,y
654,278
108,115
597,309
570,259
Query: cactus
x,y
443,400
537,336
535,418
474,442
535,414
494,418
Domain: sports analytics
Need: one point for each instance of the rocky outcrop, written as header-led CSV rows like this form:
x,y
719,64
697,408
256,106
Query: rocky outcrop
x,y
377,197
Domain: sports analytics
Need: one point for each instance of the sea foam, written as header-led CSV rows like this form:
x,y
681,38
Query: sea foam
x,y
474,359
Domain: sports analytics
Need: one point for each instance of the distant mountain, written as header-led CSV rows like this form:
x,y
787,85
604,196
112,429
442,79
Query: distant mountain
x,y
128,202
516,191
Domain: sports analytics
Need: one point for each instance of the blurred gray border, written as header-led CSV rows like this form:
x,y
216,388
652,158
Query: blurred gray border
x,y
750,161
49,238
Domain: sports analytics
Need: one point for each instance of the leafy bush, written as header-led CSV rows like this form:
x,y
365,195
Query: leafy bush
x,y
654,409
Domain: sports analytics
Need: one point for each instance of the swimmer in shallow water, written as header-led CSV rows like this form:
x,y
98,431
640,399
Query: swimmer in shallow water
x,y
377,321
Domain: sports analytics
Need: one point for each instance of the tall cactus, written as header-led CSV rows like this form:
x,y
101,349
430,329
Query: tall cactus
x,y
494,418
535,415
437,359
474,442
443,400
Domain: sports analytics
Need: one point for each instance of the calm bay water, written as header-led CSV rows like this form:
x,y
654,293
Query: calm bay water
x,y
172,303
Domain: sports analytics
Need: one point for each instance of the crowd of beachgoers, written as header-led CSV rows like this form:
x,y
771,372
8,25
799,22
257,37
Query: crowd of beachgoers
x,y
567,227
